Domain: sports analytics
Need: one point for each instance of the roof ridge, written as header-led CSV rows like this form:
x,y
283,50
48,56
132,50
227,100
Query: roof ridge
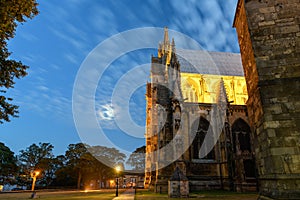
x,y
221,52
205,62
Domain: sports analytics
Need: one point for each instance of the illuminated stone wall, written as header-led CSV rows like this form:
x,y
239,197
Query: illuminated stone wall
x,y
269,38
201,88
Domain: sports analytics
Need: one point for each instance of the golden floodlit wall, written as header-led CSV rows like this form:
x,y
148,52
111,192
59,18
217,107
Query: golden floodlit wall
x,y
202,88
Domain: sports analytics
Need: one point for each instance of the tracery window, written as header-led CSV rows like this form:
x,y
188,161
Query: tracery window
x,y
191,92
200,134
241,135
242,142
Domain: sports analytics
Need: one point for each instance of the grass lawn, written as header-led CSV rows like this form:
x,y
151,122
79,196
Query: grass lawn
x,y
62,195
140,195
205,195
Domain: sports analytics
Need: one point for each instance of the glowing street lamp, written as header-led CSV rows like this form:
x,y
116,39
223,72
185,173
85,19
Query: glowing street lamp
x,y
111,183
33,176
118,168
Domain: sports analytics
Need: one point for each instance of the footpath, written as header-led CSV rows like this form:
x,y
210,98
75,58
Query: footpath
x,y
127,195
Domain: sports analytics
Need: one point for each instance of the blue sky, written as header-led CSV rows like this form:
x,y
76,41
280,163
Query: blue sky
x,y
56,42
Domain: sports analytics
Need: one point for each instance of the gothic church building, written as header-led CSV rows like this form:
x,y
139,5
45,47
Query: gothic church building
x,y
188,91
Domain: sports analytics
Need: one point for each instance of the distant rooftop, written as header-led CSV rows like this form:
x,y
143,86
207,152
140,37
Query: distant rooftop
x,y
204,62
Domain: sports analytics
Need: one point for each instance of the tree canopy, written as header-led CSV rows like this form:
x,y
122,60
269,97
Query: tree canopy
x,y
92,162
11,14
32,158
81,166
37,157
137,159
8,161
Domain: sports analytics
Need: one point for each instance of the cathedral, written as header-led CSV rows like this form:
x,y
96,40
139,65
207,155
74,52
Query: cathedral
x,y
211,126
197,121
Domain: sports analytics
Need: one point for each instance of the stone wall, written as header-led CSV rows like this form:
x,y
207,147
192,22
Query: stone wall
x,y
203,88
269,37
248,60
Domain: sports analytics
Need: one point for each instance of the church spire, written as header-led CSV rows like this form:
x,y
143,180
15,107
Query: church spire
x,y
166,43
166,36
173,45
222,99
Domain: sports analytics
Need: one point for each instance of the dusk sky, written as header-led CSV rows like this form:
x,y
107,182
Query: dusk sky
x,y
58,40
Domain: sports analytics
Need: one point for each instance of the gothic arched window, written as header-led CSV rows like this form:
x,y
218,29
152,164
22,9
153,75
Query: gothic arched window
x,y
200,133
190,91
241,134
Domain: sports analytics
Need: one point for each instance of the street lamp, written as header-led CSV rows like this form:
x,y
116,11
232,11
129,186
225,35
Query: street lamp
x,y
118,168
33,176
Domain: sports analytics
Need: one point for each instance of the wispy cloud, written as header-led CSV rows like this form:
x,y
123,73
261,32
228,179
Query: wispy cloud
x,y
72,38
71,58
42,88
29,36
66,31
209,22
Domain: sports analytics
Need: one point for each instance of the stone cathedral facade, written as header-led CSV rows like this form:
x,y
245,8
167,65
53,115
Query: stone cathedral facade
x,y
187,90
261,135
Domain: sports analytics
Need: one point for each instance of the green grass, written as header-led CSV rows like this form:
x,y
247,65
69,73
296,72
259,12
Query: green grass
x,y
140,195
63,195
148,195
203,195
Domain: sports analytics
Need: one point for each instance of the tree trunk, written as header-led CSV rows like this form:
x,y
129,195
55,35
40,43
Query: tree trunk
x,y
79,180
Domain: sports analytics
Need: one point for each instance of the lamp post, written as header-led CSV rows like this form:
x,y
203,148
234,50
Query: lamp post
x,y
34,175
117,185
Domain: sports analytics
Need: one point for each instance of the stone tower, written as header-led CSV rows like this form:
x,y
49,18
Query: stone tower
x,y
163,112
269,38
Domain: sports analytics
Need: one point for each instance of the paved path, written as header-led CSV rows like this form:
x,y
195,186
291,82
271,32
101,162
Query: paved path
x,y
127,195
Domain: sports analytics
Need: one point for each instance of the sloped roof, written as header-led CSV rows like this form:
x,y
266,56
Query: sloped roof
x,y
205,62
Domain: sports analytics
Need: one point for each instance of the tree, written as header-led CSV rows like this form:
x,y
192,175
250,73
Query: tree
x,y
47,168
88,163
106,161
64,175
77,160
38,157
137,159
8,161
34,154
108,156
11,12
